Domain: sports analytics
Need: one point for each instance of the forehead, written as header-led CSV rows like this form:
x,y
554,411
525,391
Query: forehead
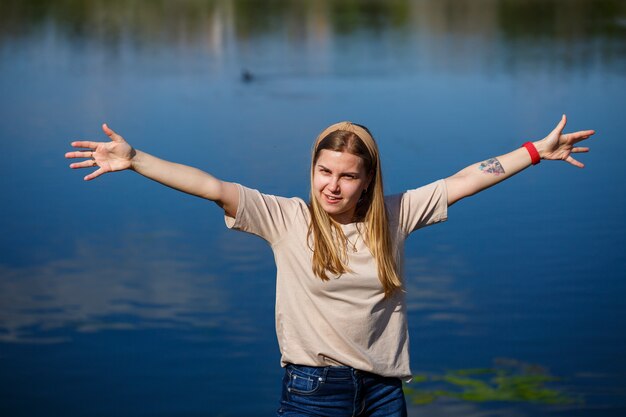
x,y
341,161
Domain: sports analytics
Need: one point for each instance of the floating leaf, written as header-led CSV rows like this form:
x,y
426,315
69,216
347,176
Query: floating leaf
x,y
510,380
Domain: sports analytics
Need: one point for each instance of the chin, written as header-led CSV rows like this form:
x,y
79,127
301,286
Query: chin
x,y
328,209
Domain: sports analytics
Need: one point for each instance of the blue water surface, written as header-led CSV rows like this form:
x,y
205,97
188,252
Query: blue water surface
x,y
121,297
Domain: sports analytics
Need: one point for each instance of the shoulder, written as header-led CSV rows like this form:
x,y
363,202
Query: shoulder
x,y
254,195
435,189
418,207
254,206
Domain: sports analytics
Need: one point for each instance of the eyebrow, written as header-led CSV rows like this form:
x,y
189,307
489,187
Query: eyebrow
x,y
343,173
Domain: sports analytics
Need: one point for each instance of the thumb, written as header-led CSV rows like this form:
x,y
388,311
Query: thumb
x,y
111,134
560,126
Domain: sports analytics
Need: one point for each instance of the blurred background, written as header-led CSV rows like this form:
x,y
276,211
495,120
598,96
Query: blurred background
x,y
120,297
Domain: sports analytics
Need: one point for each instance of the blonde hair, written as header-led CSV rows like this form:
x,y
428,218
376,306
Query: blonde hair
x,y
329,243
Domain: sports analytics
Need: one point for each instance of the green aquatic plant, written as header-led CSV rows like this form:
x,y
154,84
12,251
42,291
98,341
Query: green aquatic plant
x,y
508,380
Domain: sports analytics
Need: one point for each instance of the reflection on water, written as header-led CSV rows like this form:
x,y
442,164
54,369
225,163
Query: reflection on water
x,y
434,298
159,21
134,286
509,34
183,314
148,287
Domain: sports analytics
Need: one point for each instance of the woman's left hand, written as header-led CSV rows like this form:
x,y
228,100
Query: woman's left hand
x,y
559,146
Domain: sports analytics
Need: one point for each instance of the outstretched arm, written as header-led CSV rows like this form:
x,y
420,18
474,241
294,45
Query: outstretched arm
x,y
482,175
118,155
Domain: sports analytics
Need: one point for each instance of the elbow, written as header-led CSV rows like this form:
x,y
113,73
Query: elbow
x,y
212,190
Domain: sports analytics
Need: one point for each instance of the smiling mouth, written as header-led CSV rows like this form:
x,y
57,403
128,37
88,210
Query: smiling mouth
x,y
331,199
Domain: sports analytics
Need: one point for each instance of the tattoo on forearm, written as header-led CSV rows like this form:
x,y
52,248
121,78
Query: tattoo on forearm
x,y
491,166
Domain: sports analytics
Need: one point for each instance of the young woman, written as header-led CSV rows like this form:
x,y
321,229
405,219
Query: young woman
x,y
340,308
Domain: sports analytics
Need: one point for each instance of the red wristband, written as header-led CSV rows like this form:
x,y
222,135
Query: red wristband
x,y
534,155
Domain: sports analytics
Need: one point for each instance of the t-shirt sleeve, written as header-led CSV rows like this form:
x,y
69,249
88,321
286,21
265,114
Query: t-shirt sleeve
x,y
264,215
423,206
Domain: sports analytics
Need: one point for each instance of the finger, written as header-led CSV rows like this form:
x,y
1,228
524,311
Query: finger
x,y
85,144
85,164
94,174
110,133
586,132
79,154
581,135
580,149
561,125
574,162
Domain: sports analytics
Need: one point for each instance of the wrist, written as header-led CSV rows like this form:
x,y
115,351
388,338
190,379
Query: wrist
x,y
541,147
135,158
533,152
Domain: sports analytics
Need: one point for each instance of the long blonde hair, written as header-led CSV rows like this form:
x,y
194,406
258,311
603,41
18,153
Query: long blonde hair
x,y
329,243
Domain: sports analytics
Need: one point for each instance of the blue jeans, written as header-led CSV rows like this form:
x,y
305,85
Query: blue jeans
x,y
339,391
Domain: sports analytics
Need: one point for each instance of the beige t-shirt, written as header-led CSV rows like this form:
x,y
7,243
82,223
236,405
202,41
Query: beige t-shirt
x,y
346,320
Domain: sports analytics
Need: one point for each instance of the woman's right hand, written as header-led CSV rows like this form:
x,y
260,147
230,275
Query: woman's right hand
x,y
116,155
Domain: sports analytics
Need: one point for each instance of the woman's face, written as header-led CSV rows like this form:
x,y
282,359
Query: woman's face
x,y
339,179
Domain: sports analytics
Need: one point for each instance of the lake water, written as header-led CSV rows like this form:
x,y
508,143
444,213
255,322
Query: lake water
x,y
120,297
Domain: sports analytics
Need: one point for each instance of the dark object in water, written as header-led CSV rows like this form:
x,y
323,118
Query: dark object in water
x,y
246,76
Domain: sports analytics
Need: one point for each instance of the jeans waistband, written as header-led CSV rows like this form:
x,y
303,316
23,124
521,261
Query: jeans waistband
x,y
325,372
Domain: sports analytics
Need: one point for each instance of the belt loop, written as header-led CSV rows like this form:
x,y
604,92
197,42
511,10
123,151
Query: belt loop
x,y
324,374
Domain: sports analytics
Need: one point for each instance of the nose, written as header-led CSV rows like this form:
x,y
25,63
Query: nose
x,y
333,185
